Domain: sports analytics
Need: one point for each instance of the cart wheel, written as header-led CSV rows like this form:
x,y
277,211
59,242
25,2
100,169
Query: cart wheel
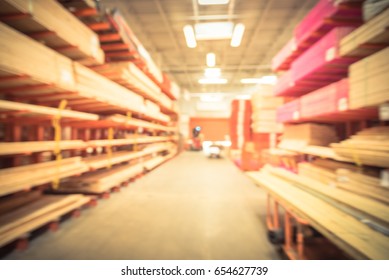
x,y
276,236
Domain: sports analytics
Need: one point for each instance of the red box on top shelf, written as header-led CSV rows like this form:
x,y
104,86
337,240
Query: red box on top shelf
x,y
327,100
317,67
324,17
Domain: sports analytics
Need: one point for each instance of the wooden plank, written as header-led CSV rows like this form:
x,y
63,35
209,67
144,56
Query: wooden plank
x,y
11,148
50,16
25,177
71,204
10,203
375,210
354,237
374,32
129,141
30,110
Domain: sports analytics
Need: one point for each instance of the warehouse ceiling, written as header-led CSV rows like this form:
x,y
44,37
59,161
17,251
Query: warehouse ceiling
x,y
159,26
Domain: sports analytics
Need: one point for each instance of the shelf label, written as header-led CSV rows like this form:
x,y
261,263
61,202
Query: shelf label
x,y
384,112
385,178
342,104
330,54
296,115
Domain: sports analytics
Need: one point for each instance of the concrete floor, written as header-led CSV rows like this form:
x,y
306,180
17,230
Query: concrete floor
x,y
207,210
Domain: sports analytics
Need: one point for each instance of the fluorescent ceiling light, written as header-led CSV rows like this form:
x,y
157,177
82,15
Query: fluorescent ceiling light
x,y
190,36
212,72
211,59
213,30
237,35
269,80
251,81
265,80
213,2
211,97
215,81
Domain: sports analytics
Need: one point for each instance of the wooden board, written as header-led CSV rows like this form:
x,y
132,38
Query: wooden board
x,y
20,55
368,38
369,80
50,23
129,141
376,210
368,147
25,177
354,237
11,148
101,181
29,111
130,76
26,219
101,161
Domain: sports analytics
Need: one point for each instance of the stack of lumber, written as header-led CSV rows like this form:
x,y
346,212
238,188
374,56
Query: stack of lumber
x,y
240,120
281,158
156,161
368,147
130,76
102,180
367,39
325,101
264,106
318,66
25,177
89,83
30,111
50,23
301,135
16,200
128,141
139,123
289,111
375,210
170,88
318,22
371,8
341,228
282,60
23,57
362,181
369,80
13,148
102,161
25,219
78,4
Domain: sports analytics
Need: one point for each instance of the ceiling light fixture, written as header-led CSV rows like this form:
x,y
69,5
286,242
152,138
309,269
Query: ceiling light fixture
x,y
213,2
211,59
212,72
265,80
214,81
190,36
237,35
214,30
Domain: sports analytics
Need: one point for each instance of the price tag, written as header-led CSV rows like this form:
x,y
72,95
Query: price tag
x,y
384,112
385,178
296,115
342,104
330,54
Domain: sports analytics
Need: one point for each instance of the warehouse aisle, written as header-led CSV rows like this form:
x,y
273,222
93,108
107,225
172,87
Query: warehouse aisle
x,y
189,208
